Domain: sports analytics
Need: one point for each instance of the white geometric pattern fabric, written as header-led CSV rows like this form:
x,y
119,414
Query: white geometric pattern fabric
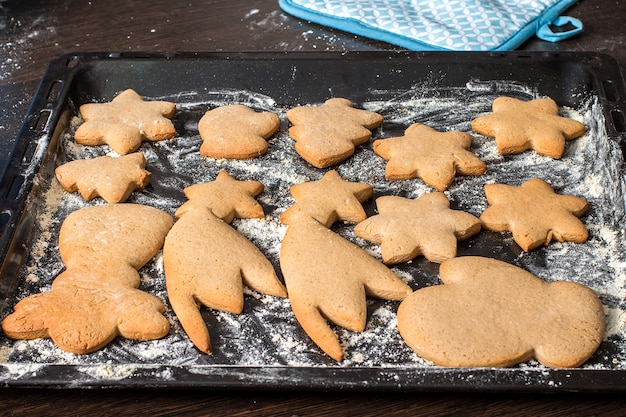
x,y
470,25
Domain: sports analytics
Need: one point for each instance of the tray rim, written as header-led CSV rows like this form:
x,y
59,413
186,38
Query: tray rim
x,y
60,72
224,377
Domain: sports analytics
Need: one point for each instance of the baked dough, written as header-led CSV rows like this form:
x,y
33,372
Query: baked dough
x,y
488,313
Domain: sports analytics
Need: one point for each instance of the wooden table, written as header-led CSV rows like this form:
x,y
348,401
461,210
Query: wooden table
x,y
33,32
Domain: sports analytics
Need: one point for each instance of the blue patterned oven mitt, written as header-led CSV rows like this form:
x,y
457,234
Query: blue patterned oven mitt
x,y
442,25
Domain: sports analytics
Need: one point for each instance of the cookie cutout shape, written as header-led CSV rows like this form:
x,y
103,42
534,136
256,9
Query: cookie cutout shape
x,y
327,276
206,261
489,313
82,319
328,279
426,226
112,178
96,299
225,197
328,134
518,126
435,157
236,132
329,199
534,213
125,122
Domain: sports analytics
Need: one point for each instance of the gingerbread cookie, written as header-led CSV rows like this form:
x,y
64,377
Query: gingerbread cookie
x,y
225,197
426,226
329,199
435,157
125,122
96,299
82,319
236,132
205,259
518,126
328,134
112,178
489,313
534,213
328,277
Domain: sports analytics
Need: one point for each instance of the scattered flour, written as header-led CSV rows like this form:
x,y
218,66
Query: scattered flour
x,y
266,334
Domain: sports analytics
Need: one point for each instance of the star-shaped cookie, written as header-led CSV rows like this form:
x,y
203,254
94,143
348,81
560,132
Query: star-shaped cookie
x,y
519,125
435,157
329,199
328,134
124,122
112,178
534,213
236,132
225,197
426,226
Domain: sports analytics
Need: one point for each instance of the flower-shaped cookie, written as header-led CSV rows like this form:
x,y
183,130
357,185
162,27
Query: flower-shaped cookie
x,y
534,213
518,126
236,132
435,157
489,313
328,134
426,226
112,178
124,122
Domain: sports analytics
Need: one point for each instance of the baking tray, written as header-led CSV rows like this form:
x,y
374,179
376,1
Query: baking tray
x,y
264,348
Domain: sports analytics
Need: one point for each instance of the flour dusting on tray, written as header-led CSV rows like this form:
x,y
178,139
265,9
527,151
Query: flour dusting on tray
x,y
266,334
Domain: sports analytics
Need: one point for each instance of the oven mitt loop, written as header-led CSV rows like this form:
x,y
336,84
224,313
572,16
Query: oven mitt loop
x,y
545,32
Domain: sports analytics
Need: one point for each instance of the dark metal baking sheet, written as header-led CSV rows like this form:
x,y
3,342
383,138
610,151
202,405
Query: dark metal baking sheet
x,y
397,83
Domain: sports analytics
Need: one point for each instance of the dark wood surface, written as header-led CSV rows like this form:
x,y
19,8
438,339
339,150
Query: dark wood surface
x,y
33,32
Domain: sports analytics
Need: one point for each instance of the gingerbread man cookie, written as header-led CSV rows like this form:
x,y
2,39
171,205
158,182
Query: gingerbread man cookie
x,y
534,213
236,132
426,226
328,134
435,157
518,126
125,122
112,178
488,313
